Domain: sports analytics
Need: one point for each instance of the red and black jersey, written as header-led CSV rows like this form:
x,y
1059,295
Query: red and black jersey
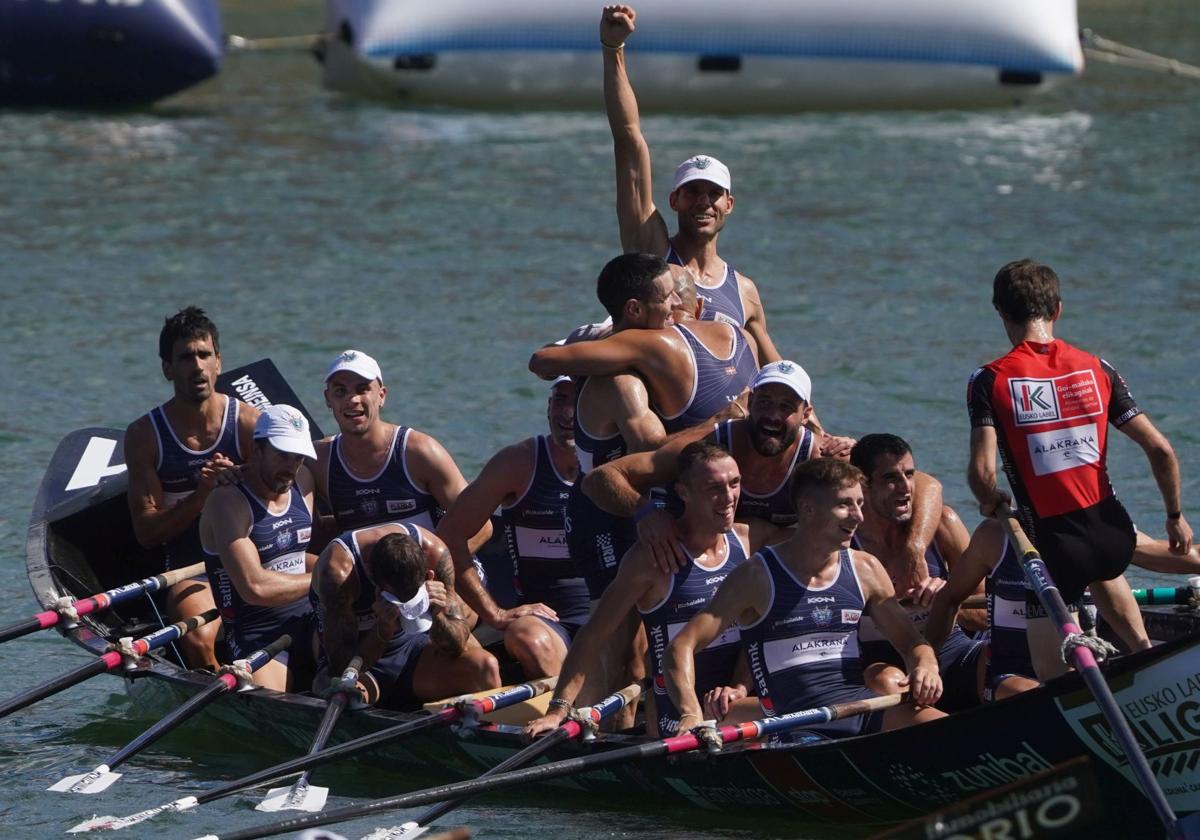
x,y
1050,405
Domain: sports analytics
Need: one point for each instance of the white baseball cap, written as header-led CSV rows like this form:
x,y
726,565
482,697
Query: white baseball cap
x,y
785,373
286,429
357,362
702,168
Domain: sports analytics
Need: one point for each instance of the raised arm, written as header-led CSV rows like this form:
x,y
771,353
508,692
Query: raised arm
x,y
619,353
433,470
739,600
1165,467
641,225
451,630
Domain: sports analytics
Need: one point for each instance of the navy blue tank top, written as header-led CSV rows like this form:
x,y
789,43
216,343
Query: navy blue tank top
x,y
715,383
777,506
388,496
178,469
1008,646
594,451
875,648
368,590
535,539
281,540
692,589
803,651
722,302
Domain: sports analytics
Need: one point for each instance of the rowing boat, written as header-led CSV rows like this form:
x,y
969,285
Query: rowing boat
x,y
81,541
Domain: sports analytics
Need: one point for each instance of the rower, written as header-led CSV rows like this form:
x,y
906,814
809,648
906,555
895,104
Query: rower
x,y
387,593
701,198
255,535
529,482
708,485
797,605
887,462
176,455
692,369
373,471
768,445
992,558
1047,406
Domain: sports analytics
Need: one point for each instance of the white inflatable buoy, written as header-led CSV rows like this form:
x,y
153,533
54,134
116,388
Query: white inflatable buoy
x,y
705,55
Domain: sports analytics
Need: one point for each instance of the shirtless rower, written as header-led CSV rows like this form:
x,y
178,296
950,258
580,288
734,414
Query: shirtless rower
x,y
374,471
887,462
387,593
797,605
768,445
708,485
530,483
255,535
176,456
700,196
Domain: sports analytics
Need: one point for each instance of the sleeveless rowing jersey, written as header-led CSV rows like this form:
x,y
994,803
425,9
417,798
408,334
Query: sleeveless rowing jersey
x,y
777,506
692,589
1050,405
875,648
803,651
388,496
178,469
281,540
722,302
716,382
536,541
593,451
1007,646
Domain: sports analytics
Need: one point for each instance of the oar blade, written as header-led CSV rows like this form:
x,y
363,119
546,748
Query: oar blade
x,y
110,823
408,831
304,797
96,781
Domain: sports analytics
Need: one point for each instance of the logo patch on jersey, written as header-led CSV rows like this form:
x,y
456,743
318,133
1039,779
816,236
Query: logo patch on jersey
x,y
283,539
823,616
1060,398
722,318
1064,449
304,535
851,616
401,505
369,507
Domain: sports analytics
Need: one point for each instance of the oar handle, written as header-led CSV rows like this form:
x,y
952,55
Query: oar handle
x,y
174,576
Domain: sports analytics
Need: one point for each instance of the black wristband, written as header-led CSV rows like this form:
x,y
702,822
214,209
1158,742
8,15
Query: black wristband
x,y
1174,514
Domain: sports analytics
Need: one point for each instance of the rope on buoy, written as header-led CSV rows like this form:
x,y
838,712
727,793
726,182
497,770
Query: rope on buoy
x,y
1098,48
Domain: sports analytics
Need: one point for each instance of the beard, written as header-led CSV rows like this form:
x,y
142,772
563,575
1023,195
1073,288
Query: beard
x,y
771,443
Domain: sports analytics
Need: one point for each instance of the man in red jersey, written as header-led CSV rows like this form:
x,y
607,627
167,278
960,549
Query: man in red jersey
x,y
1046,405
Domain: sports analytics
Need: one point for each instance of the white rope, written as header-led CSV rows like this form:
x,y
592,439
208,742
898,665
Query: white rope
x,y
65,606
1099,648
1099,48
240,669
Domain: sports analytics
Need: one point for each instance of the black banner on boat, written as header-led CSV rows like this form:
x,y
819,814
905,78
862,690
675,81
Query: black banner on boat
x,y
260,384
1062,802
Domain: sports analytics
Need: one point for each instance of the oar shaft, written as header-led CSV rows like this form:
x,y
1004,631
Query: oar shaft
x,y
566,767
100,601
224,683
1085,663
62,682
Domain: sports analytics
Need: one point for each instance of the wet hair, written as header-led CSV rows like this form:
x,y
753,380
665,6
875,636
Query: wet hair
x,y
186,324
699,452
398,563
627,276
870,447
823,474
1024,291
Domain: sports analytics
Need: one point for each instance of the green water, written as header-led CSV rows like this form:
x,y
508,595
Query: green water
x,y
448,245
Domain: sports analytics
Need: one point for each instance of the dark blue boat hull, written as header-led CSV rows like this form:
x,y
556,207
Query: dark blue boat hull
x,y
105,54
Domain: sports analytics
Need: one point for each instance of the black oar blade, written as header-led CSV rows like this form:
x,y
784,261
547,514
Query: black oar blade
x,y
59,683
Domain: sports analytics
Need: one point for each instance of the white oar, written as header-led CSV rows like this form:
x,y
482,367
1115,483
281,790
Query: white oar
x,y
230,678
302,796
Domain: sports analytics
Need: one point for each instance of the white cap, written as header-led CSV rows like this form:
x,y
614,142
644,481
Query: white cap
x,y
414,613
702,168
785,373
286,429
559,380
357,362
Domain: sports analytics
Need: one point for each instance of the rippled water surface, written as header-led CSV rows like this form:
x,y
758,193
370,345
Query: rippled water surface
x,y
449,244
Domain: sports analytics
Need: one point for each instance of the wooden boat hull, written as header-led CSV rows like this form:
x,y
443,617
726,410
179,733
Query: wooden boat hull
x,y
76,545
